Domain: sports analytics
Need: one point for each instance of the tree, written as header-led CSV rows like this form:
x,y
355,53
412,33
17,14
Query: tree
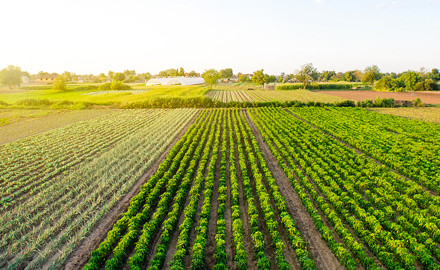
x,y
434,75
226,73
102,77
110,74
192,74
211,77
119,77
129,73
371,74
272,79
181,72
411,78
259,77
11,76
243,79
60,83
350,76
307,74
326,75
67,75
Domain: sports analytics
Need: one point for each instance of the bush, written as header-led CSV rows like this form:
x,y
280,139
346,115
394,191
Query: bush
x,y
319,86
104,86
117,85
418,102
34,102
2,103
60,84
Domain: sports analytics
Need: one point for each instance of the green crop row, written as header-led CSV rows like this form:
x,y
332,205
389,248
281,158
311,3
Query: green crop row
x,y
330,171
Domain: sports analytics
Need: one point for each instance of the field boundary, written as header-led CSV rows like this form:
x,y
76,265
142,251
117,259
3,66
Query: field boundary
x,y
82,253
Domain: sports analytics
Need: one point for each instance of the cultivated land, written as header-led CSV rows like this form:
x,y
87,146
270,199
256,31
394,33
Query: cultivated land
x,y
429,114
19,124
256,188
426,97
56,186
271,95
79,93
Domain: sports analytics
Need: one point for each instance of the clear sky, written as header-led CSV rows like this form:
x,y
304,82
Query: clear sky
x,y
96,36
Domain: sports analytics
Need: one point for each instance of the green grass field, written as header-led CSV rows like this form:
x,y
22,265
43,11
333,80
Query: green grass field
x,y
82,94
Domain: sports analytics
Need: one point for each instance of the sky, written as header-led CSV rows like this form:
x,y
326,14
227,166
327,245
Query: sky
x,y
94,36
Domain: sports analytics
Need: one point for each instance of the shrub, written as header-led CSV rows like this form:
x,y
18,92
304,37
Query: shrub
x,y
104,86
117,85
418,102
320,86
60,84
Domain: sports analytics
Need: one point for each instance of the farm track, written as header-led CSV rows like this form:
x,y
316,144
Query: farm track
x,y
319,250
82,253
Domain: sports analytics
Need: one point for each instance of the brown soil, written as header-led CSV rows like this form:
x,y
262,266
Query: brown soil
x,y
289,253
82,253
318,248
247,239
269,250
175,236
230,248
426,96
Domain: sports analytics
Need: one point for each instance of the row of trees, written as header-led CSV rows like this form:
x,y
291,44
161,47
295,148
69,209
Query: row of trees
x,y
409,81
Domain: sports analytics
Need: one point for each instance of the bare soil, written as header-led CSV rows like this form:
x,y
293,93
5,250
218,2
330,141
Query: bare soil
x,y
289,252
427,97
318,248
247,239
82,253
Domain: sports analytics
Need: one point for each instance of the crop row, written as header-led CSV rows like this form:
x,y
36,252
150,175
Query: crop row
x,y
57,217
216,160
408,148
32,163
362,200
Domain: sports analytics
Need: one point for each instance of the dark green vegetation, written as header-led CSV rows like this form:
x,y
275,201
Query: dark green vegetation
x,y
267,187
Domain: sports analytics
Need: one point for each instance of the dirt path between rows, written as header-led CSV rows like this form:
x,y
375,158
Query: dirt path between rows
x,y
289,252
247,238
212,222
318,248
82,253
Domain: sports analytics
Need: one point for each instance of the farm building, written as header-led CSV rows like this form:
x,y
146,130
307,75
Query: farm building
x,y
175,81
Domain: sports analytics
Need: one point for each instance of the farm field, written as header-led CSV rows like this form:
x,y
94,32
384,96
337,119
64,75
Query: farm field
x,y
256,188
57,185
426,97
429,114
271,95
106,97
22,123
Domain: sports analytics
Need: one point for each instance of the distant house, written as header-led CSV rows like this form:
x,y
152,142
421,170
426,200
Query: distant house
x,y
25,79
248,75
49,78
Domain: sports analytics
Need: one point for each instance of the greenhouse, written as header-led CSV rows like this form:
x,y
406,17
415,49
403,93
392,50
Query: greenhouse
x,y
176,81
